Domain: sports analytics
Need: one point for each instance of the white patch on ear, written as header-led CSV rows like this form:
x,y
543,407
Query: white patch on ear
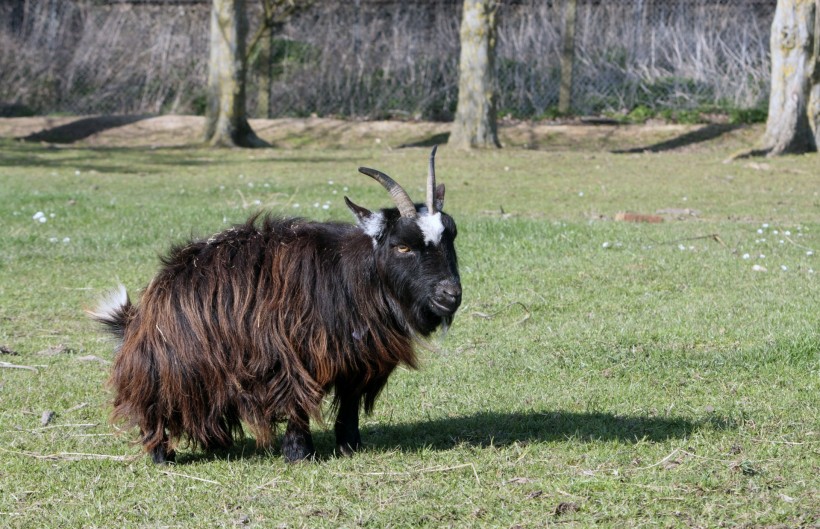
x,y
373,225
431,227
111,304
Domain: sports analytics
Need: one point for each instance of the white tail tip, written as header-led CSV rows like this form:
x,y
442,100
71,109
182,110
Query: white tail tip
x,y
110,305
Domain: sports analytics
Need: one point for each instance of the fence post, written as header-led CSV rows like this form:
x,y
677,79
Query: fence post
x,y
567,57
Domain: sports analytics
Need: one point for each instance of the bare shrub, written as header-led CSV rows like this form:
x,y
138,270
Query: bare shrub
x,y
399,61
84,58
673,55
375,59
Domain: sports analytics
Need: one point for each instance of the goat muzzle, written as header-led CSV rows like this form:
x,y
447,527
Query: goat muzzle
x,y
447,298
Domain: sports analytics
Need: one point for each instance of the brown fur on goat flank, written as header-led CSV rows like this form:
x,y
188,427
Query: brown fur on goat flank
x,y
210,347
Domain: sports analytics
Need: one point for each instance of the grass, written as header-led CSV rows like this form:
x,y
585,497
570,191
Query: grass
x,y
599,372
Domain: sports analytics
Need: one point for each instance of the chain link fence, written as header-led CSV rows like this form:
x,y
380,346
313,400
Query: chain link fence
x,y
384,58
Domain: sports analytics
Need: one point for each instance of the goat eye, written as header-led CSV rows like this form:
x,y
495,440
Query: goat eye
x,y
403,248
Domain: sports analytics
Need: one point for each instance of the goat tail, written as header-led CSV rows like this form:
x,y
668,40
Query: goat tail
x,y
114,311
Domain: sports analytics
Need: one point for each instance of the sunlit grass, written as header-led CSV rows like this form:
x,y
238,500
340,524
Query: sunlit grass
x,y
599,372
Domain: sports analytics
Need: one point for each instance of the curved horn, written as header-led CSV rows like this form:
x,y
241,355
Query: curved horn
x,y
431,182
400,196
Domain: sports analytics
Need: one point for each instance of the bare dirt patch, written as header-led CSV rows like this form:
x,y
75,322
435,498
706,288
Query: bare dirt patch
x,y
179,131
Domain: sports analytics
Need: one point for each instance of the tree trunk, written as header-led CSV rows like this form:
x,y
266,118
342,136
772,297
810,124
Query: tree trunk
x,y
788,129
567,58
264,105
227,123
475,122
814,94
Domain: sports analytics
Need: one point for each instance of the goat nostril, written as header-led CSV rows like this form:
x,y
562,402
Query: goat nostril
x,y
453,291
449,295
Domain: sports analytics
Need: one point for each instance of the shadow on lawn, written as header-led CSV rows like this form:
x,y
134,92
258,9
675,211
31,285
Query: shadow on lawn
x,y
82,128
700,135
143,160
436,139
244,449
498,429
481,430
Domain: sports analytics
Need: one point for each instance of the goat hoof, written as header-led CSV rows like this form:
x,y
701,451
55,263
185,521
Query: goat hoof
x,y
348,449
162,456
298,454
296,449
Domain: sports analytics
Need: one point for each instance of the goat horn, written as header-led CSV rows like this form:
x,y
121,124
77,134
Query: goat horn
x,y
400,196
431,182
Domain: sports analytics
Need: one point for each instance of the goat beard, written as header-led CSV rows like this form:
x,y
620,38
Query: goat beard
x,y
445,325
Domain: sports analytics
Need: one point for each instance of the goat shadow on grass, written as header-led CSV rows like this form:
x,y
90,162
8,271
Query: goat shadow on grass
x,y
242,449
480,430
499,429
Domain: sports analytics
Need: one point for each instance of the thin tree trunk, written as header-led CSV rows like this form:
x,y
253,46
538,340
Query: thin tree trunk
x,y
788,129
567,57
264,104
227,123
475,123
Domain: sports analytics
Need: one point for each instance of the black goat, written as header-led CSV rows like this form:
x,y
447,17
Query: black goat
x,y
257,323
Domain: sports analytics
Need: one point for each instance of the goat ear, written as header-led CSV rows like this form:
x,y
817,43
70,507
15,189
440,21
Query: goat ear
x,y
362,214
439,197
371,223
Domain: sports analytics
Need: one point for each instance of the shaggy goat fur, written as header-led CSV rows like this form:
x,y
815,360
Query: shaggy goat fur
x,y
258,323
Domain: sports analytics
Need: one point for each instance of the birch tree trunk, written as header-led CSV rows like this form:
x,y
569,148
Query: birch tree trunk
x,y
788,127
475,123
226,118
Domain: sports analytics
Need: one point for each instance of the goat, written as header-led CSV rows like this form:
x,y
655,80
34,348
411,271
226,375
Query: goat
x,y
258,323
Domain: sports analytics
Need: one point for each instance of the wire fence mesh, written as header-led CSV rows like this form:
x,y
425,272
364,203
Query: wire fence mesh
x,y
385,58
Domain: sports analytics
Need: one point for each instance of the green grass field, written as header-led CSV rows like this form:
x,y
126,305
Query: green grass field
x,y
599,373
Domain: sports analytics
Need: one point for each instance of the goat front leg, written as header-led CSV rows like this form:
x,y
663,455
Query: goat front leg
x,y
297,444
348,439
